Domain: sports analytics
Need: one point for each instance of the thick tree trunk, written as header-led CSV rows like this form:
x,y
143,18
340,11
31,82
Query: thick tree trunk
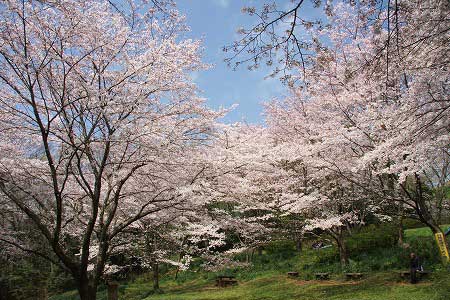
x,y
343,253
87,292
87,286
88,283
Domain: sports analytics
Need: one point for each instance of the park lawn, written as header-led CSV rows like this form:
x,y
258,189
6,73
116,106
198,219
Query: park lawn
x,y
377,286
422,231
267,280
380,286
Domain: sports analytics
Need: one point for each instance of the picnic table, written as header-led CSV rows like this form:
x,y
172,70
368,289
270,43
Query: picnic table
x,y
406,274
322,276
354,275
225,280
292,274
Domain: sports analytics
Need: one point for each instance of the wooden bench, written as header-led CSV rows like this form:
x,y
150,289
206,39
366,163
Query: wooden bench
x,y
223,281
292,274
406,274
423,273
354,275
322,276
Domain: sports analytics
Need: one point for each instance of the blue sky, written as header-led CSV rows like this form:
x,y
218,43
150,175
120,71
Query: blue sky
x,y
215,22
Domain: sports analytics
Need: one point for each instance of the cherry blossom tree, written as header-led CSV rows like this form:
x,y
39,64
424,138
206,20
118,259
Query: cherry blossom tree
x,y
374,110
157,240
276,38
99,123
240,186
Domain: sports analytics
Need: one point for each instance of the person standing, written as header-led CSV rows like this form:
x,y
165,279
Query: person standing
x,y
414,266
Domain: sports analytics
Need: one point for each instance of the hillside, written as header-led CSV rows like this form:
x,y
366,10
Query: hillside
x,y
267,279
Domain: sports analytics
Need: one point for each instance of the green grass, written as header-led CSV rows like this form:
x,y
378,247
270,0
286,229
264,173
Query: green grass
x,y
266,279
379,286
423,231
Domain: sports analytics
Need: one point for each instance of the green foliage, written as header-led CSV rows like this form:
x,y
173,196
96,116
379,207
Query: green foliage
x,y
412,223
426,248
70,295
25,278
281,249
59,280
328,255
372,237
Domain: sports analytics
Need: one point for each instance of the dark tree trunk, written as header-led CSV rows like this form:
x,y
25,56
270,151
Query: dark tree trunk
x,y
400,232
178,268
87,292
88,283
299,245
87,286
113,292
252,254
155,268
338,236
43,294
343,253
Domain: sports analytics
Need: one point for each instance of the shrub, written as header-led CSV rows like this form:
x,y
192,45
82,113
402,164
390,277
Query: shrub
x,y
425,248
281,249
412,223
372,238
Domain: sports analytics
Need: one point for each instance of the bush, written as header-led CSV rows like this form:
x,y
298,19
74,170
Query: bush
x,y
372,238
412,223
328,255
426,248
281,249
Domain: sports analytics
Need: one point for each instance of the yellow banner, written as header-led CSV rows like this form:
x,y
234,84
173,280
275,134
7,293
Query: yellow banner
x,y
440,239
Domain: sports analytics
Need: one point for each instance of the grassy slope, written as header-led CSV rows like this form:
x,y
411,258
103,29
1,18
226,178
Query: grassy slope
x,y
423,231
379,286
383,285
267,280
